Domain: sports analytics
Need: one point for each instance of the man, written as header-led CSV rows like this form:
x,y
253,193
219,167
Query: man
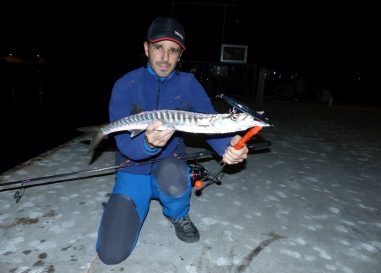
x,y
156,86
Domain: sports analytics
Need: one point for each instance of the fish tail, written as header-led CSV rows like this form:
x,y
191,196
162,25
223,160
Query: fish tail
x,y
97,136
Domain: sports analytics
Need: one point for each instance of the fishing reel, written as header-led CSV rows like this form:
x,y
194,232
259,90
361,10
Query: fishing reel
x,y
196,173
199,173
201,177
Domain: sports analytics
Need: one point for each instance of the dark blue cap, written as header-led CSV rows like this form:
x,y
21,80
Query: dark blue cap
x,y
166,28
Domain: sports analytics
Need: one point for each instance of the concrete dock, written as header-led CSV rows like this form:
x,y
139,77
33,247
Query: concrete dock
x,y
311,204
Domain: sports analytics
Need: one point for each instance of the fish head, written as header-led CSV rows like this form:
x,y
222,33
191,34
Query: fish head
x,y
243,121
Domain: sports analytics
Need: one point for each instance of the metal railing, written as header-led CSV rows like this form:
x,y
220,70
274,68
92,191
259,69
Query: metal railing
x,y
227,78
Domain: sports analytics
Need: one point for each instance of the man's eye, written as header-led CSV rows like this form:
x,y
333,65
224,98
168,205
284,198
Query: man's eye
x,y
175,51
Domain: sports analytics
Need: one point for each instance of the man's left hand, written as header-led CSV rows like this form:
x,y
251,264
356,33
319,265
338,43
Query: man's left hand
x,y
233,156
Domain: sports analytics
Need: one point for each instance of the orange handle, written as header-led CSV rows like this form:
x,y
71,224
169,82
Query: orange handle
x,y
253,131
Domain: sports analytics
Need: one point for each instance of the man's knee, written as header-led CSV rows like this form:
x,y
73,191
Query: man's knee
x,y
118,230
171,175
111,259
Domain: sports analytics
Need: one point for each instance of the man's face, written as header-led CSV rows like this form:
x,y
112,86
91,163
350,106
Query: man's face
x,y
163,56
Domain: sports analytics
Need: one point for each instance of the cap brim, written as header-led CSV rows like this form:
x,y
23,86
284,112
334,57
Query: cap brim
x,y
168,39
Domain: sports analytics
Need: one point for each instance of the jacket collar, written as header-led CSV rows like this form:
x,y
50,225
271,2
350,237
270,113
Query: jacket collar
x,y
162,79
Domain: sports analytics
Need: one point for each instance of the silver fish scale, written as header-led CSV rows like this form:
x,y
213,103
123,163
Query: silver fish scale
x,y
170,117
167,117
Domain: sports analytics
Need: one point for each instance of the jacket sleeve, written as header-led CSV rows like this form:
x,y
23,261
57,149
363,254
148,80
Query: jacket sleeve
x,y
201,103
121,102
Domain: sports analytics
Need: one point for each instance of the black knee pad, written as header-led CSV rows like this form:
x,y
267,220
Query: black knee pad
x,y
119,230
171,175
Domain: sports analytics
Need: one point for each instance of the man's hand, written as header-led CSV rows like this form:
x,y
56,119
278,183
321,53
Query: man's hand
x,y
233,156
157,138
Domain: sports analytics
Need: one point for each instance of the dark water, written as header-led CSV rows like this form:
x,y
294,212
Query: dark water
x,y
41,109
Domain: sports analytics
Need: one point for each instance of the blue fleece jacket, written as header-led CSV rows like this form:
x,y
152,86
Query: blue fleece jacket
x,y
141,90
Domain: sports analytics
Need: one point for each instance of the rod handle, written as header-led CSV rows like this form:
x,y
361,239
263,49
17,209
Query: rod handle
x,y
252,132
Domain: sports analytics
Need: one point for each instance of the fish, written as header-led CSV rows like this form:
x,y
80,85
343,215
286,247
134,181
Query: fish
x,y
185,121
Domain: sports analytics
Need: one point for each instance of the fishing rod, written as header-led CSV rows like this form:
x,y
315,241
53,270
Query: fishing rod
x,y
199,171
236,104
216,174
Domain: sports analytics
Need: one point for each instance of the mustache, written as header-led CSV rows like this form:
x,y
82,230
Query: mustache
x,y
164,63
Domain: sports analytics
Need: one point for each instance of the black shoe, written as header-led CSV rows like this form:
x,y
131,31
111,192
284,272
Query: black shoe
x,y
186,230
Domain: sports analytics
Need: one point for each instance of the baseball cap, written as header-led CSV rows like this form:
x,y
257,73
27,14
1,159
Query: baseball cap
x,y
166,28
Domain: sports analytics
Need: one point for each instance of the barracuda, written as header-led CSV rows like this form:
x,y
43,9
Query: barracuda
x,y
184,121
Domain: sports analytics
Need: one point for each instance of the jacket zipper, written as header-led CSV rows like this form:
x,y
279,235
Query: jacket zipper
x,y
158,95
156,108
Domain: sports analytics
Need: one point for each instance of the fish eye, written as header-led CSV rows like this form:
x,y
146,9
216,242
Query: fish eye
x,y
234,116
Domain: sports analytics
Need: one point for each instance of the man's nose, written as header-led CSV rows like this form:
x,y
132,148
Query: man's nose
x,y
165,56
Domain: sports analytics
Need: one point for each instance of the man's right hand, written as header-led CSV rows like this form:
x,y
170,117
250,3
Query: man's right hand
x,y
158,138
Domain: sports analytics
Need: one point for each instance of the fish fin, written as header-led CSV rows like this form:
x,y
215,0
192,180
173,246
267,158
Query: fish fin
x,y
97,136
135,132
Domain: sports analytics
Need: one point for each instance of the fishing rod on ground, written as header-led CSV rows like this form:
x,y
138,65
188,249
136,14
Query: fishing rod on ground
x,y
26,183
197,171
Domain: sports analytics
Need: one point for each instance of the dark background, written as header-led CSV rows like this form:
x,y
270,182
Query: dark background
x,y
84,49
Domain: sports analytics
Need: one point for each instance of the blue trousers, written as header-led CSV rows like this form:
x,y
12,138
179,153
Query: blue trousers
x,y
129,203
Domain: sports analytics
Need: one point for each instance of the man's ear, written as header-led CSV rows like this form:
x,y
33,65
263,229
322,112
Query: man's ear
x,y
146,48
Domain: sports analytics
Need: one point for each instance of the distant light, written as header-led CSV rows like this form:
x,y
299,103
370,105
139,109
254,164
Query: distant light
x,y
10,54
38,55
274,72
